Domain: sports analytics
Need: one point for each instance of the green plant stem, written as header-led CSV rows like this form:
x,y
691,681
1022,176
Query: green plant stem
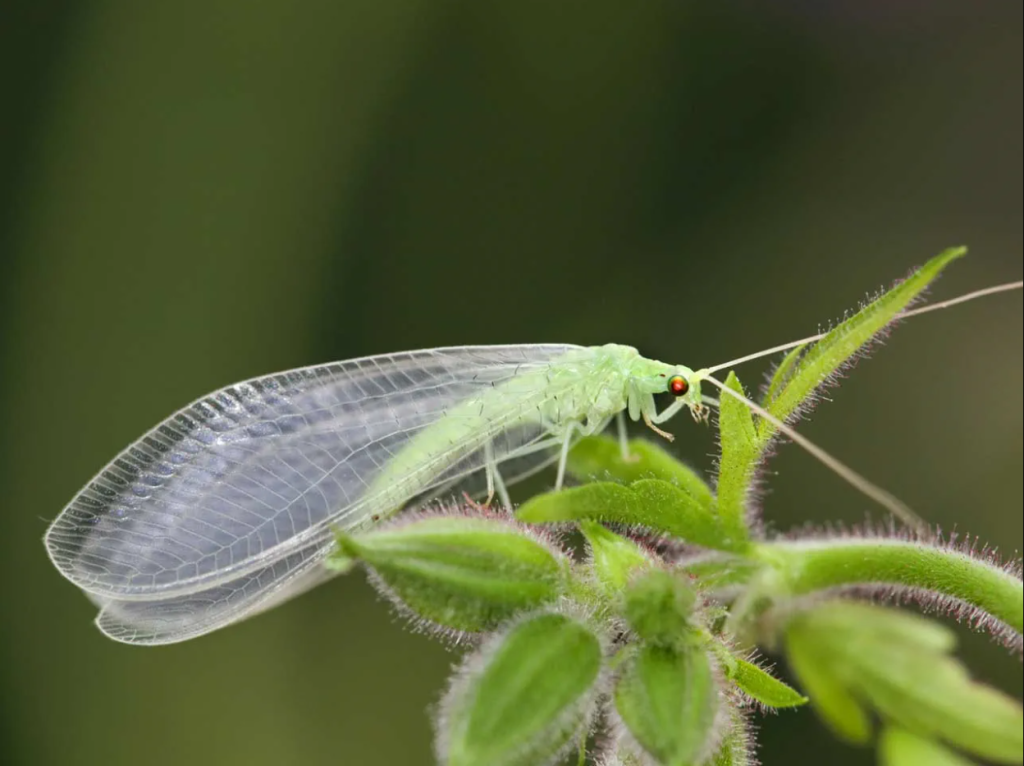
x,y
810,566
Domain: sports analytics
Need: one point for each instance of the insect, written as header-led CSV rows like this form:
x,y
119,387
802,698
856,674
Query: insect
x,y
230,505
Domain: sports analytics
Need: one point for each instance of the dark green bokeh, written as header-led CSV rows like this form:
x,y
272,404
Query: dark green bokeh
x,y
194,193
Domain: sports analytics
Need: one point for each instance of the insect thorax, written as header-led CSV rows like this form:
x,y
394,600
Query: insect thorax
x,y
589,386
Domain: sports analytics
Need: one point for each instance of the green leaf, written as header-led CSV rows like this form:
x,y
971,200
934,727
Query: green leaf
x,y
830,696
659,607
623,755
933,695
459,572
783,372
600,457
668,700
740,453
613,559
845,340
526,697
762,686
735,749
898,747
652,503
899,665
844,619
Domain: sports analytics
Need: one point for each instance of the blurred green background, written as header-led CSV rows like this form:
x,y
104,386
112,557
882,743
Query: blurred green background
x,y
193,193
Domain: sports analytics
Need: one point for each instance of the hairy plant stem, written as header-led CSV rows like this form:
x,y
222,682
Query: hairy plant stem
x,y
813,565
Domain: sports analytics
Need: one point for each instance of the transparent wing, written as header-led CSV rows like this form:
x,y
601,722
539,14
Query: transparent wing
x,y
228,488
179,618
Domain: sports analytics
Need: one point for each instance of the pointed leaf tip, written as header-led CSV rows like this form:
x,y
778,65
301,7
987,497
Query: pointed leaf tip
x,y
759,684
846,340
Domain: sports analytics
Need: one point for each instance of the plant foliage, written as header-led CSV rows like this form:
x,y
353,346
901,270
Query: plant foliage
x,y
642,649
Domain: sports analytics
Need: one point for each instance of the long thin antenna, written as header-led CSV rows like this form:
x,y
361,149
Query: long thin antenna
x,y
1005,287
886,499
766,352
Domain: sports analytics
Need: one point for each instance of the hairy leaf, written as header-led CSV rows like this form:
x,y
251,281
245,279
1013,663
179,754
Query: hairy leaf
x,y
783,372
668,701
740,453
613,559
837,348
652,503
524,698
762,686
459,572
599,457
659,607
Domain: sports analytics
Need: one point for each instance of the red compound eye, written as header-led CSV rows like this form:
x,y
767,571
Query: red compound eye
x,y
677,385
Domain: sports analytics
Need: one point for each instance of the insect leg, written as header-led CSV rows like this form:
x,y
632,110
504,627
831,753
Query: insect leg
x,y
502,490
494,482
620,425
668,412
563,458
490,469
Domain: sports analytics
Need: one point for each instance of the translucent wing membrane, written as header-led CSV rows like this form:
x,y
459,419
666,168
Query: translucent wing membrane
x,y
177,618
226,507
